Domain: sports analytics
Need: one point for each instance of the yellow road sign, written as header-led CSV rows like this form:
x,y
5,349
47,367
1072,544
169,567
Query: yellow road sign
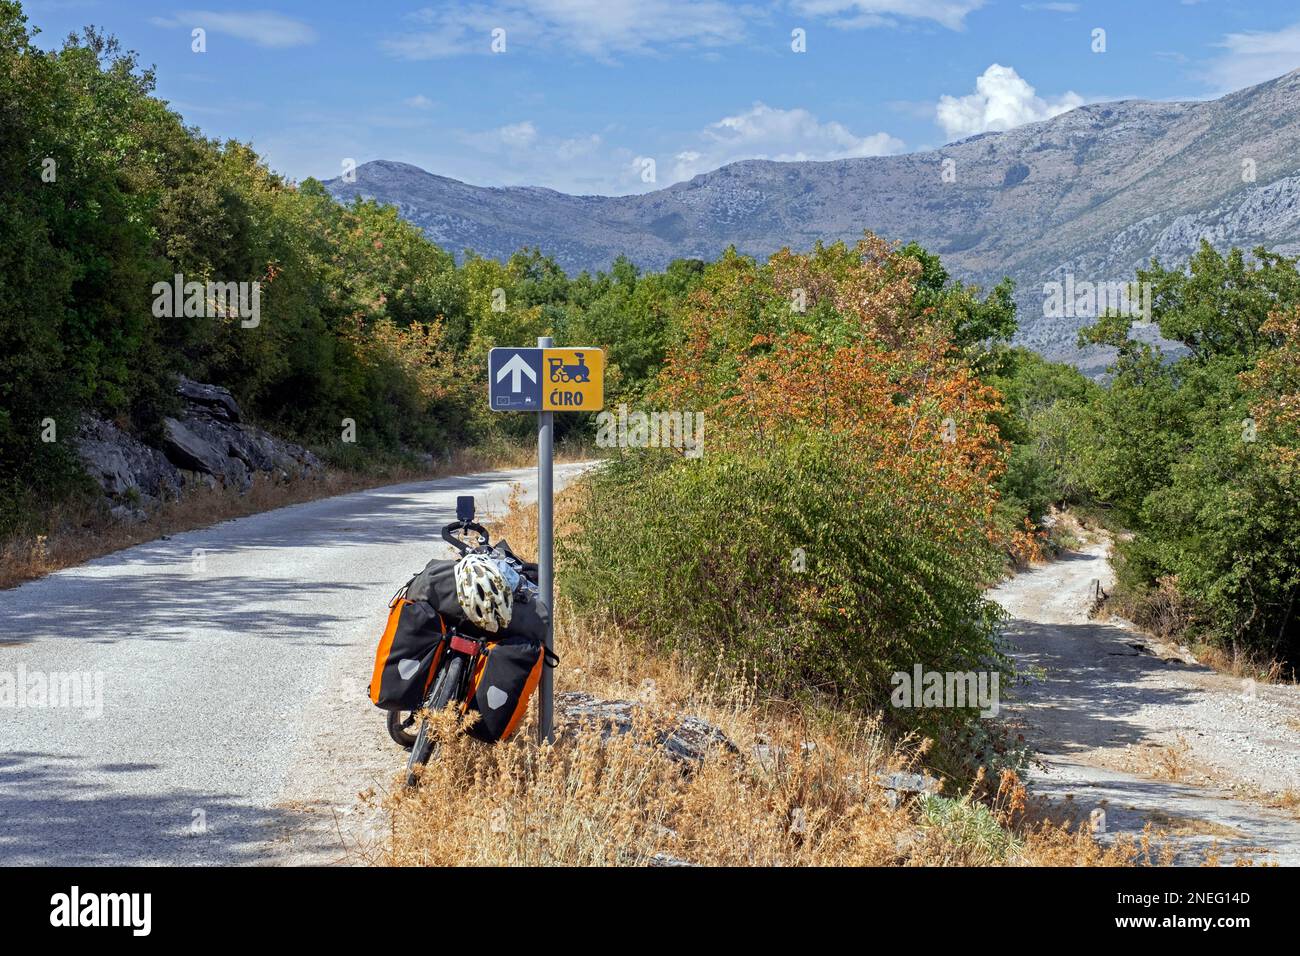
x,y
573,380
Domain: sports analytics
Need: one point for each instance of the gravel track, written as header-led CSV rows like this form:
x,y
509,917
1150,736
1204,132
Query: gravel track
x,y
235,727
1141,730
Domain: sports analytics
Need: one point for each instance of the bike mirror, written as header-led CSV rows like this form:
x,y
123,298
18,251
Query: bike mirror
x,y
464,508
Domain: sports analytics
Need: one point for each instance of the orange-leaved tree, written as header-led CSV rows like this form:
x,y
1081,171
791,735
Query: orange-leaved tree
x,y
830,342
1275,382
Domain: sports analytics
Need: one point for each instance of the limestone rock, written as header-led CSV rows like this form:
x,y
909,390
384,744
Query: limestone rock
x,y
686,741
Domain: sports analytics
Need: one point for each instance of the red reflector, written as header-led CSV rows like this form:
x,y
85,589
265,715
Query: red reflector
x,y
463,645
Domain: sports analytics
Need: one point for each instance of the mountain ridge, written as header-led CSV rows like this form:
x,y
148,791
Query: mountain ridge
x,y
1092,193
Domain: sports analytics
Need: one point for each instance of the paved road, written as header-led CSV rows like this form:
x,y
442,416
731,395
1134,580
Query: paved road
x,y
222,718
1141,731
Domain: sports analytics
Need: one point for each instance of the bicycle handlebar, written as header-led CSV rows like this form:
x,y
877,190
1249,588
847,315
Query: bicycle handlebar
x,y
449,536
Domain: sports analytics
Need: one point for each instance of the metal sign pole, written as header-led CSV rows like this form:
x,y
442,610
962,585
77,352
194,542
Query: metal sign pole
x,y
545,555
547,380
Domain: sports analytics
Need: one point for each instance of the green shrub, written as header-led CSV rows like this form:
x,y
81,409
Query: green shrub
x,y
970,827
800,565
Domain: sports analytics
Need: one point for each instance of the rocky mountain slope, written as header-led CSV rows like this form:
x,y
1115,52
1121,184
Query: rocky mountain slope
x,y
1093,193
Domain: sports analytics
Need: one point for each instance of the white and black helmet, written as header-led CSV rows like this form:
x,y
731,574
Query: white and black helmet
x,y
482,591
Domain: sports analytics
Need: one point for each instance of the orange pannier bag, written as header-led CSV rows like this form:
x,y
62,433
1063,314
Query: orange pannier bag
x,y
408,654
501,684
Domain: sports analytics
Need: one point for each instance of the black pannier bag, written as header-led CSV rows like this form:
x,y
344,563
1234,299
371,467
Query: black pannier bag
x,y
408,655
503,680
528,621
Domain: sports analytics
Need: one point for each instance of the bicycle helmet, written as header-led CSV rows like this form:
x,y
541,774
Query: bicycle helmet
x,y
482,592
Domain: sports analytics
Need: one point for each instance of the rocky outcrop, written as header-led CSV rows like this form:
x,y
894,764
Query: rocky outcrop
x,y
685,739
215,401
207,456
209,444
133,475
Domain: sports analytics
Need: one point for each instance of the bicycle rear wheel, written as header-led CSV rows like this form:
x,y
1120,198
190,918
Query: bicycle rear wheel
x,y
444,690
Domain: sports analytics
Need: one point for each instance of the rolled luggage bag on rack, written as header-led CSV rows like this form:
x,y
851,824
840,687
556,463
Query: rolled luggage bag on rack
x,y
528,619
436,585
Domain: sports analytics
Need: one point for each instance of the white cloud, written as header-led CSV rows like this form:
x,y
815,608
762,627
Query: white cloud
x,y
1052,7
576,147
521,154
422,45
518,135
418,102
511,138
1255,56
262,27
765,132
855,14
603,29
1002,100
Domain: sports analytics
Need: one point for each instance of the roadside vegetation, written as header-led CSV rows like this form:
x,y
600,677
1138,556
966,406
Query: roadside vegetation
x,y
803,789
104,191
843,522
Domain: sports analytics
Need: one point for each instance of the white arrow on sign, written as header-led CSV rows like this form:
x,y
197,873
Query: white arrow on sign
x,y
516,368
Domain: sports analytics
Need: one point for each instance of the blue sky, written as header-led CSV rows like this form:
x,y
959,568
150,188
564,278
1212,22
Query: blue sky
x,y
585,91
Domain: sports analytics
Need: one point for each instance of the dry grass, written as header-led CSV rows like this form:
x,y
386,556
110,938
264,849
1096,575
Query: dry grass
x,y
1162,611
1165,614
1287,800
585,802
1069,531
1172,762
1243,664
811,799
1175,823
86,531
